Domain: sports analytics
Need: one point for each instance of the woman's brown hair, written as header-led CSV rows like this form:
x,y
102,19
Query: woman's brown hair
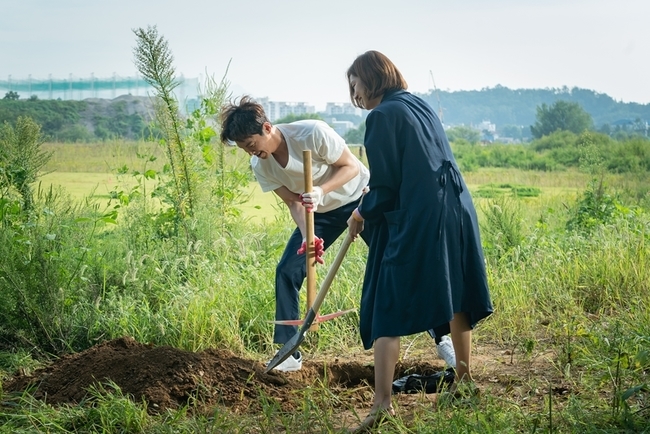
x,y
378,74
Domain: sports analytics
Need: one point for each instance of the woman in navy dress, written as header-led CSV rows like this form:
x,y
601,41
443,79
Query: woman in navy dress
x,y
426,269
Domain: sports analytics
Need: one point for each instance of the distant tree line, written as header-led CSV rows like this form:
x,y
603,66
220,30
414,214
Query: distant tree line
x,y
563,137
81,121
513,111
559,151
559,116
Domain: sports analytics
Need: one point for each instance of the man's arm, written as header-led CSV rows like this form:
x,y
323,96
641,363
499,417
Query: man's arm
x,y
296,208
344,169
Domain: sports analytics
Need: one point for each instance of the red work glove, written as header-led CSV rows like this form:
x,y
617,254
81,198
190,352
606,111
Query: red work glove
x,y
318,248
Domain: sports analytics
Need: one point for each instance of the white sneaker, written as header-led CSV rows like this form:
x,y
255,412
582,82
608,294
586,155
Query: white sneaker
x,y
446,351
291,364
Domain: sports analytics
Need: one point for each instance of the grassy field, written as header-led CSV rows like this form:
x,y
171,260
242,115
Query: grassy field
x,y
566,350
82,170
554,189
79,185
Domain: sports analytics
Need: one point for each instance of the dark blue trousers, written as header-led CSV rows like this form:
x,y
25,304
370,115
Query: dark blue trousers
x,y
291,271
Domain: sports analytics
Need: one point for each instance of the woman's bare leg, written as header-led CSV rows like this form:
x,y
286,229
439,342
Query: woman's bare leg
x,y
386,356
461,337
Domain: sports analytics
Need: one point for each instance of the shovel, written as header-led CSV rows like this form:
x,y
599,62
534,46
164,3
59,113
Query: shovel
x,y
319,319
310,254
290,347
311,258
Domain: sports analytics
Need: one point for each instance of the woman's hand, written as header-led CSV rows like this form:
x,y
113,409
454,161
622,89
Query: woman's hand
x,y
355,224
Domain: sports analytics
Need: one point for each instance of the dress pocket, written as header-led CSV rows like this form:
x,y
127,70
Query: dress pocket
x,y
398,249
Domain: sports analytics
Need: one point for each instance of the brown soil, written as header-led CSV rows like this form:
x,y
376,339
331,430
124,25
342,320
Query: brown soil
x,y
167,378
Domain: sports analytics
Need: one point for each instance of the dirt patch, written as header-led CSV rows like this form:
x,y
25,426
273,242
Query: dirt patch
x,y
168,378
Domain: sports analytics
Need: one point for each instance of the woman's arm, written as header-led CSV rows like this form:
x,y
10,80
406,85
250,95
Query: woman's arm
x,y
385,163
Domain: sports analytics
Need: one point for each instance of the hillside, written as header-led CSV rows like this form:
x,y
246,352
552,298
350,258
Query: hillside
x,y
503,106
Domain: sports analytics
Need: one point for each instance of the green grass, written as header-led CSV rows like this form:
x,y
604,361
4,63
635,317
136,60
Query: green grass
x,y
258,207
571,321
84,170
103,157
83,184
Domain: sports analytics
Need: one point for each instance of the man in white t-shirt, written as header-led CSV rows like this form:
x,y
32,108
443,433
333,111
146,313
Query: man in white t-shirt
x,y
339,179
276,158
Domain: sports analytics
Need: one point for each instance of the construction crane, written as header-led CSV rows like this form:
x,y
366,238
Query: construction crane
x,y
435,89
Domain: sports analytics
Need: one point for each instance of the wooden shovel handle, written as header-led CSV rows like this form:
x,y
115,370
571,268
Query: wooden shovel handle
x,y
310,253
329,278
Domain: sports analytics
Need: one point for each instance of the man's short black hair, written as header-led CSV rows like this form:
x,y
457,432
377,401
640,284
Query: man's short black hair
x,y
242,120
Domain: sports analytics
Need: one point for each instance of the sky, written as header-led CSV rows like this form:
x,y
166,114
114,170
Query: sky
x,y
299,50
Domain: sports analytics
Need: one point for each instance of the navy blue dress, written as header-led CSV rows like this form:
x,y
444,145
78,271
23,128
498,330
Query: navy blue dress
x,y
425,259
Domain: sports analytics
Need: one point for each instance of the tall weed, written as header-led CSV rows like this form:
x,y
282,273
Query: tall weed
x,y
502,230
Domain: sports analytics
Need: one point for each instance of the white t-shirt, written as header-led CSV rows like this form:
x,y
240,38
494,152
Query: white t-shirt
x,y
326,148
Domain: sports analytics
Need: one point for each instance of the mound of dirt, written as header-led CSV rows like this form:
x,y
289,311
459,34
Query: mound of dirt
x,y
167,378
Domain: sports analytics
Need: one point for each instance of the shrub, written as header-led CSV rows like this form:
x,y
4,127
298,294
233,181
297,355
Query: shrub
x,y
503,228
594,207
21,158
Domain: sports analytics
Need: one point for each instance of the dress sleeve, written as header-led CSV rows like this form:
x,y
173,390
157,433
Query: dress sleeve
x,y
385,164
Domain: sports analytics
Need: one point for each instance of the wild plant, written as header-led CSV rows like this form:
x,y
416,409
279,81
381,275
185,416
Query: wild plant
x,y
154,61
21,159
595,206
42,275
189,144
502,230
37,281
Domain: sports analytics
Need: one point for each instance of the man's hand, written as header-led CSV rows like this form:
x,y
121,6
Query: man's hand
x,y
312,199
318,248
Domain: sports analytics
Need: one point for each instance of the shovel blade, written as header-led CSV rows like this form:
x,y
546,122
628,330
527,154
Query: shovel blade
x,y
330,316
287,350
292,345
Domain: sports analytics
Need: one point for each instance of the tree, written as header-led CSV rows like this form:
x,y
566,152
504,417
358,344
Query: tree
x,y
605,129
512,131
11,95
292,118
356,135
472,135
561,116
